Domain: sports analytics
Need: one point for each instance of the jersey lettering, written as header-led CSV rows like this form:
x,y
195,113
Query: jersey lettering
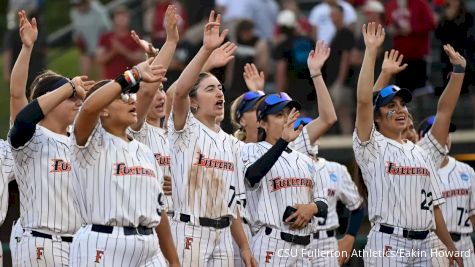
x,y
60,165
121,169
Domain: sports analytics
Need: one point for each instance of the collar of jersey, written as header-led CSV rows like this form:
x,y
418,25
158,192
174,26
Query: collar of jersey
x,y
58,137
160,130
122,143
218,136
444,171
406,144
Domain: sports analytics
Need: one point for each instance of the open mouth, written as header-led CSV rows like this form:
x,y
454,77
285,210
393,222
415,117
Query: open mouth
x,y
160,106
133,111
220,104
401,118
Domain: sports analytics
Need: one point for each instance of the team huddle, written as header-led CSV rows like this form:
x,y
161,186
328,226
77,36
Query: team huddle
x,y
121,173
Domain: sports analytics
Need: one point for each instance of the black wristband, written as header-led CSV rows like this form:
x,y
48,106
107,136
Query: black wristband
x,y
123,83
458,69
322,209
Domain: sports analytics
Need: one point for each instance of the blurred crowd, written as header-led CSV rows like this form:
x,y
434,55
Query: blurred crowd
x,y
275,35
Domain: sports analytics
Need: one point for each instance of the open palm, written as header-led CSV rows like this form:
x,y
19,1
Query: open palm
x,y
317,57
211,36
373,35
28,31
392,62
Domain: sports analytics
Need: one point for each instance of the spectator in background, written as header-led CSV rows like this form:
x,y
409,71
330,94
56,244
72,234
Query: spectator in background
x,y
303,26
373,11
159,34
320,19
292,74
12,42
262,12
410,22
453,29
90,20
336,70
117,50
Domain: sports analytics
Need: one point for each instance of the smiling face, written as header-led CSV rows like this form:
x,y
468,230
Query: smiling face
x,y
393,117
209,98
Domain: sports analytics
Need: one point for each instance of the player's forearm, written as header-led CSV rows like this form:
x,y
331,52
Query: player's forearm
x,y
190,74
51,100
165,55
383,80
238,234
145,97
166,240
18,79
25,124
441,229
366,78
355,220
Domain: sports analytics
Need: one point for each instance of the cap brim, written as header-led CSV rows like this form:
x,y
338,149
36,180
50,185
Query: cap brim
x,y
279,107
403,93
251,104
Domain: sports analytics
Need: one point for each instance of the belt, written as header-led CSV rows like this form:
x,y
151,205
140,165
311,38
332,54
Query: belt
x,y
219,223
296,239
68,239
409,234
456,236
106,229
320,234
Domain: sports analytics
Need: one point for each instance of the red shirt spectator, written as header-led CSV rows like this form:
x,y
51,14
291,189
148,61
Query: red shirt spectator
x,y
118,63
158,31
412,25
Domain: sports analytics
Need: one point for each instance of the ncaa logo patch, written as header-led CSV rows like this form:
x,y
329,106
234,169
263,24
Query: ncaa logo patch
x,y
464,176
333,177
311,168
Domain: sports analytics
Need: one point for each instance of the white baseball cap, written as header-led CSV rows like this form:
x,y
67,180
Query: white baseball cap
x,y
287,18
373,6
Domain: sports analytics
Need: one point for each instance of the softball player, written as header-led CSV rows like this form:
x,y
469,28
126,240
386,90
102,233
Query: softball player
x,y
122,205
280,181
205,166
458,188
402,169
6,176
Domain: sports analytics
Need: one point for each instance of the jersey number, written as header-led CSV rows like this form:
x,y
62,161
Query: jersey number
x,y
323,221
462,211
233,196
424,204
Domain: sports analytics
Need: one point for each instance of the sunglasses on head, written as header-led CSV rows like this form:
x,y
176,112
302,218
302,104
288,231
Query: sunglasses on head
x,y
301,121
277,98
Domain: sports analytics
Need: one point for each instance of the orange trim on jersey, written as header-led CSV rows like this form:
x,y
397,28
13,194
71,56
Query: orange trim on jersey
x,y
120,169
214,163
283,183
60,165
393,169
162,160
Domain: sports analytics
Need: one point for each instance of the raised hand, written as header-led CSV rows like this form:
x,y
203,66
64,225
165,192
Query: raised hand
x,y
146,46
151,73
289,134
373,35
254,79
317,57
221,56
171,24
454,56
392,62
211,36
82,85
28,31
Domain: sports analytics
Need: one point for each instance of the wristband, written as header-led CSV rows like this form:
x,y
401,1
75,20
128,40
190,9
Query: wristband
x,y
74,88
122,82
316,75
458,69
130,77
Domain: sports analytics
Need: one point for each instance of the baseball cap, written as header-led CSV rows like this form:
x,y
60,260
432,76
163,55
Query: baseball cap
x,y
302,121
248,102
427,123
373,6
287,18
275,103
385,95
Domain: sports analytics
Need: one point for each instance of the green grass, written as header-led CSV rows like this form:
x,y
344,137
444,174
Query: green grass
x,y
65,62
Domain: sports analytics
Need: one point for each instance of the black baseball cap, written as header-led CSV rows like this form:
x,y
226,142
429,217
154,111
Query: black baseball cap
x,y
275,103
388,93
427,123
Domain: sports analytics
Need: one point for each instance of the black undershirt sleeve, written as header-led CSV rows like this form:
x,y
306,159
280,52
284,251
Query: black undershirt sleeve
x,y
25,124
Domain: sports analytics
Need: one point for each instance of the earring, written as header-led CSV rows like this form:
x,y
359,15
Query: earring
x,y
106,115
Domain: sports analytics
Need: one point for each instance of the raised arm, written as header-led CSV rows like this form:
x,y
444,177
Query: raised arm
x,y
448,99
19,75
25,122
89,114
220,57
211,40
326,111
373,38
147,92
254,79
390,67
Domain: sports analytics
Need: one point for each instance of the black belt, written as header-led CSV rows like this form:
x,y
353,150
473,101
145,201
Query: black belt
x,y
456,236
330,233
409,234
106,229
296,239
68,239
219,223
